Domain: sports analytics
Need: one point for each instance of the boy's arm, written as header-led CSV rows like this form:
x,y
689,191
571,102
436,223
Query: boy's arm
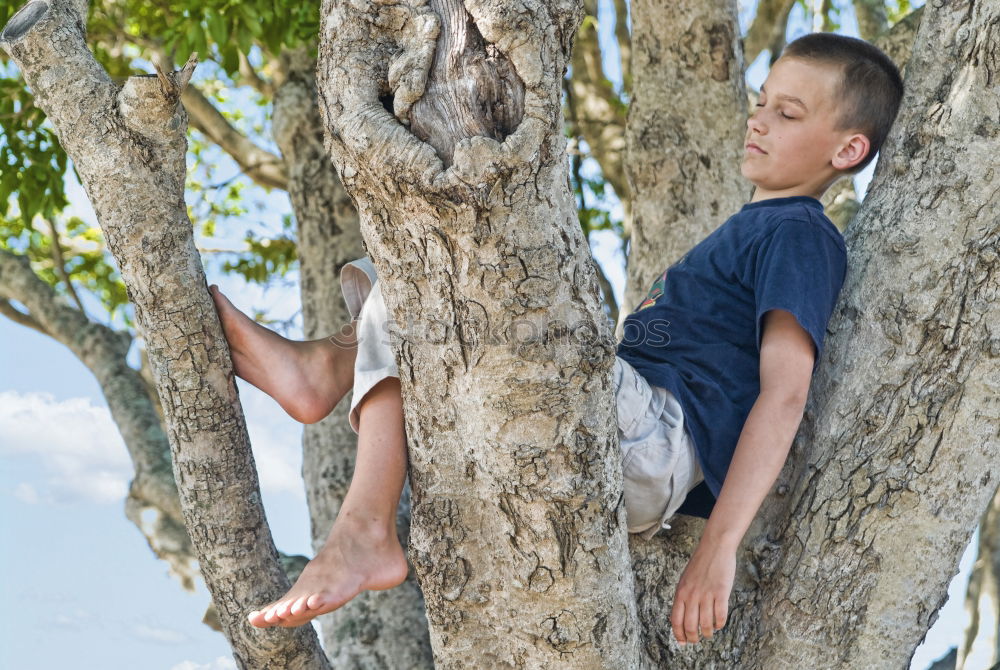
x,y
786,362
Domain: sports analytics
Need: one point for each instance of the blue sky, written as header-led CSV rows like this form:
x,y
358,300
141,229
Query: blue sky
x,y
84,590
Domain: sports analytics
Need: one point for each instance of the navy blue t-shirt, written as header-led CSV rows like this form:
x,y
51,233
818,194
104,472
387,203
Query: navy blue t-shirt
x,y
698,331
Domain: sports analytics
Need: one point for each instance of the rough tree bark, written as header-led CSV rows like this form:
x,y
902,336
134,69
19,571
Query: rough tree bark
x,y
898,456
517,533
384,630
128,145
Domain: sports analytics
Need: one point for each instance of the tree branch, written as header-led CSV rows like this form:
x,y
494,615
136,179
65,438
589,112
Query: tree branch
x,y
872,19
263,167
767,29
259,84
103,351
17,316
128,143
624,38
60,263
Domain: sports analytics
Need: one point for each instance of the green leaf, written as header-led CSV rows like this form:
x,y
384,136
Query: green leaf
x,y
217,28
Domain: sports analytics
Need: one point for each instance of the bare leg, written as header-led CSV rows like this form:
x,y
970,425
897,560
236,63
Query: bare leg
x,y
362,551
307,378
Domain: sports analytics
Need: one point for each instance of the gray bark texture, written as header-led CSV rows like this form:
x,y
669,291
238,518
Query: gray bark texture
x,y
686,60
898,455
128,144
377,630
518,532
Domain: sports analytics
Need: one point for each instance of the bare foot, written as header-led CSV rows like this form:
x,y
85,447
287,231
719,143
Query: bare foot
x,y
307,378
352,560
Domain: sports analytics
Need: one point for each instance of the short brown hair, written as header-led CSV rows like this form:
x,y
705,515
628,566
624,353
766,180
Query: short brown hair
x,y
870,90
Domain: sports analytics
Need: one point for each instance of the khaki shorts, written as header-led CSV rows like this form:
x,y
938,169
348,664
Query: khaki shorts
x,y
375,361
658,458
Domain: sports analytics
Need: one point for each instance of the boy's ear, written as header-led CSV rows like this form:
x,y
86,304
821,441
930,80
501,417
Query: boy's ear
x,y
852,152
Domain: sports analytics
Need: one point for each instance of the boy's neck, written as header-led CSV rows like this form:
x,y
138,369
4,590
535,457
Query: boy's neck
x,y
761,194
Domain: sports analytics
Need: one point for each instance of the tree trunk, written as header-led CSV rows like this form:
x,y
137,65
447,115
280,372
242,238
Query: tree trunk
x,y
982,598
659,563
128,145
378,629
685,132
518,531
898,456
686,59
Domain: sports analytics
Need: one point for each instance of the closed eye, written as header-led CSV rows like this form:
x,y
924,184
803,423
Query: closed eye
x,y
782,113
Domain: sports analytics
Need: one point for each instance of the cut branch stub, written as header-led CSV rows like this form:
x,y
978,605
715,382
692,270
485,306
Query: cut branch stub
x,y
22,22
149,102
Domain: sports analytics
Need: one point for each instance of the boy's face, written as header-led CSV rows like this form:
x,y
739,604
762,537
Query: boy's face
x,y
804,154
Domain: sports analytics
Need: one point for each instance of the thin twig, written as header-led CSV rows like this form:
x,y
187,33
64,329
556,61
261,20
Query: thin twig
x,y
60,262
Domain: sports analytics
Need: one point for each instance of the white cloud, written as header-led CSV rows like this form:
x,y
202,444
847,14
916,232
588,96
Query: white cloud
x,y
83,458
26,493
76,619
221,663
77,443
158,634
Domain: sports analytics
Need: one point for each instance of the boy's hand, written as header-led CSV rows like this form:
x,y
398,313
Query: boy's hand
x,y
702,596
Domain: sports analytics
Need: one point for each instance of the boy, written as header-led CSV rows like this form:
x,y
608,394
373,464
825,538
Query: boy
x,y
710,410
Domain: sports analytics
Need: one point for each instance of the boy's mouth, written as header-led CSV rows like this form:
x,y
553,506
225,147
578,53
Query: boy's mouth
x,y
754,149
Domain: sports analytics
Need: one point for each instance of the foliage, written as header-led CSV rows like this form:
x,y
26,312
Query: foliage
x,y
81,252
124,36
595,200
267,257
31,159
896,10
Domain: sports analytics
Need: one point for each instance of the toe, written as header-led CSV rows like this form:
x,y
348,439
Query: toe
x,y
285,607
299,606
271,615
316,601
256,618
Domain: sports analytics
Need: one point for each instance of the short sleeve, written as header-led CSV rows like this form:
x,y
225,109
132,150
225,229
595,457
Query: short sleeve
x,y
800,268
